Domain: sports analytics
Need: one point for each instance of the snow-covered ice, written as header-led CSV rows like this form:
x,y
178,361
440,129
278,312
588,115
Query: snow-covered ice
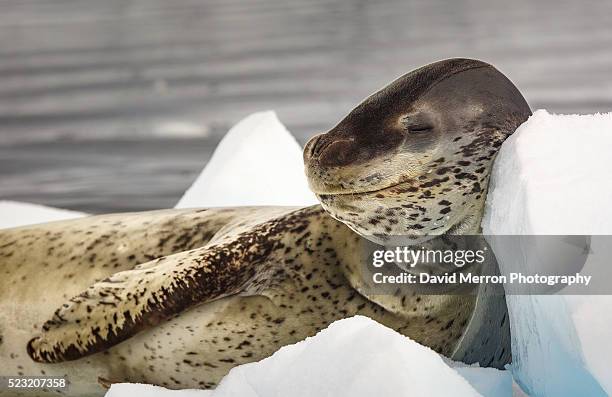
x,y
258,162
139,389
14,214
489,382
354,357
552,177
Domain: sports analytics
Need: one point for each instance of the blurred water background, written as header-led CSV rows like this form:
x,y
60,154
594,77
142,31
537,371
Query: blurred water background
x,y
116,105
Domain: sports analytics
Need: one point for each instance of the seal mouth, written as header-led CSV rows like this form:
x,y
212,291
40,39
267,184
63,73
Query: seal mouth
x,y
358,192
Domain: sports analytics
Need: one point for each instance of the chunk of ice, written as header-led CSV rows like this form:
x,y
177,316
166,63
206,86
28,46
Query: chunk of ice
x,y
258,162
551,177
15,214
355,357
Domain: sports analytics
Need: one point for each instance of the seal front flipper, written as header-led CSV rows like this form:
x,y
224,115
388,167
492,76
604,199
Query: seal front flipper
x,y
116,308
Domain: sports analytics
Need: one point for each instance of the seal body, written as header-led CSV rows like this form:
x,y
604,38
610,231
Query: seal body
x,y
179,297
310,285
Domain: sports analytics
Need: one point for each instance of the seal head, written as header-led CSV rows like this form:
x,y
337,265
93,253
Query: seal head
x,y
413,159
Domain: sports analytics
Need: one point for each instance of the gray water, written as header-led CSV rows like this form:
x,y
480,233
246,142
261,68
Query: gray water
x,y
117,105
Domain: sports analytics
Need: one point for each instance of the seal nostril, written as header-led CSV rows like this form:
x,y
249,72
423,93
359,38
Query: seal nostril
x,y
320,148
321,145
316,145
311,147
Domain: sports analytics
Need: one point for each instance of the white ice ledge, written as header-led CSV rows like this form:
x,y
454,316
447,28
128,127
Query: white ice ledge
x,y
355,357
552,177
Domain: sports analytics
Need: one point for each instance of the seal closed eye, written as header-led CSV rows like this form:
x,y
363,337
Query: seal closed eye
x,y
179,297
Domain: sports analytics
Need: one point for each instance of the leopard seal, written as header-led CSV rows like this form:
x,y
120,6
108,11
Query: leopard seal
x,y
179,297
